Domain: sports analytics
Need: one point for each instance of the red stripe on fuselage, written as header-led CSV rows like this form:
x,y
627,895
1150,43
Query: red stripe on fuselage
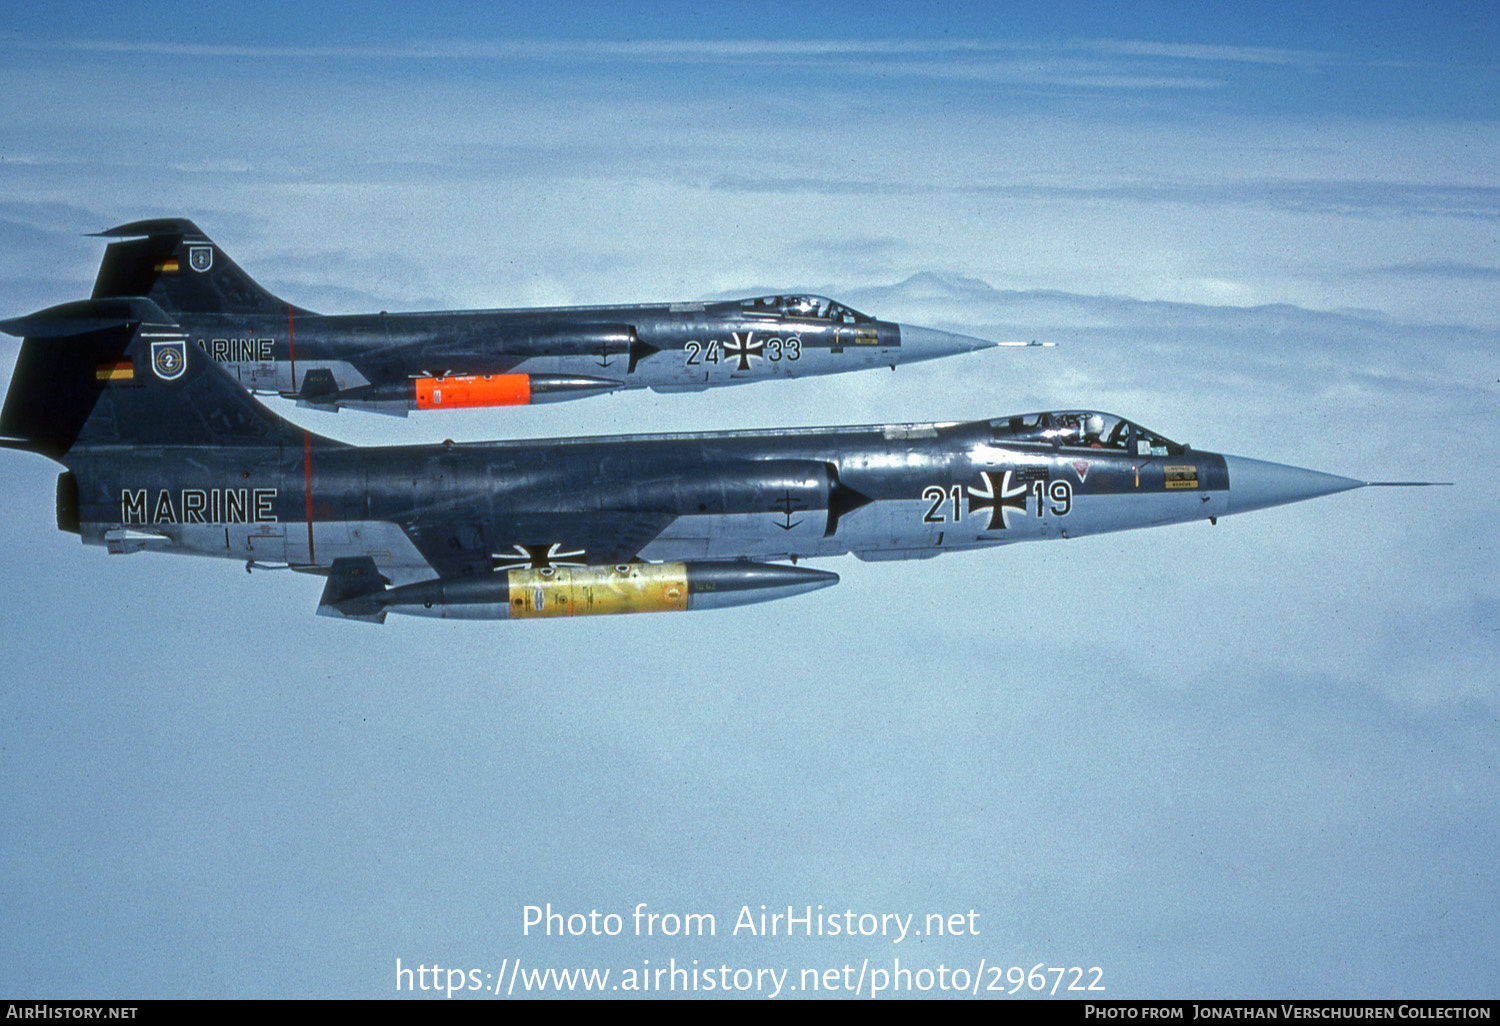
x,y
307,480
291,343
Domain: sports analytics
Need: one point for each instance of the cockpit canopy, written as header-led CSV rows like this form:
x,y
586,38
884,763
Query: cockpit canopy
x,y
1083,429
810,307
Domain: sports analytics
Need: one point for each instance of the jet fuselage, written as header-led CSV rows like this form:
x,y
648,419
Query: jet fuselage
x,y
397,362
880,492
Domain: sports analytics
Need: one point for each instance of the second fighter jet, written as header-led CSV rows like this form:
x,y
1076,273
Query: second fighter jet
x,y
397,362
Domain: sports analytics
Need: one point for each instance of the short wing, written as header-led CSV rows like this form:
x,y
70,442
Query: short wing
x,y
459,547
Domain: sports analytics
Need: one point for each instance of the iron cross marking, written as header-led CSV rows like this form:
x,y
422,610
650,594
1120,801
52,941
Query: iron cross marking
x,y
744,348
536,557
999,499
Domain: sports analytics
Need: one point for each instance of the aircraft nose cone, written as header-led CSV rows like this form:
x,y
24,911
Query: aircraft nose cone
x,y
1256,484
929,343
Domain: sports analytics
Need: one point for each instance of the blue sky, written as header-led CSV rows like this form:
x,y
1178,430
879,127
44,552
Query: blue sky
x,y
1256,759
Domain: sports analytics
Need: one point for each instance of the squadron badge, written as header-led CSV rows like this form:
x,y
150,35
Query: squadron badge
x,y
200,258
169,359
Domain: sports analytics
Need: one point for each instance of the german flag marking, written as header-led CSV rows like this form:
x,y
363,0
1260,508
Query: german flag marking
x,y
115,370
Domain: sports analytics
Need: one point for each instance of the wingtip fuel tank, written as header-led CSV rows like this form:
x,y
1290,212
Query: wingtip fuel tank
x,y
557,591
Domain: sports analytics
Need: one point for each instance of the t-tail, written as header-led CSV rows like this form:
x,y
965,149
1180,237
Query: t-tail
x,y
172,263
122,373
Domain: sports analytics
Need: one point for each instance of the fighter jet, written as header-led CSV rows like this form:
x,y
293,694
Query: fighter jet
x,y
397,362
165,451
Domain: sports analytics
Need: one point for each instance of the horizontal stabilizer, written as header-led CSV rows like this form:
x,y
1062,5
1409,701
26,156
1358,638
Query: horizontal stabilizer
x,y
154,226
84,316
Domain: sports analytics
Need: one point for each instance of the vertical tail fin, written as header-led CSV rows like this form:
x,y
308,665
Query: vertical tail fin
x,y
122,372
171,262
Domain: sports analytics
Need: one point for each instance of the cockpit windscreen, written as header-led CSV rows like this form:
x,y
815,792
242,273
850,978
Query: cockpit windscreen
x,y
815,308
1083,429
